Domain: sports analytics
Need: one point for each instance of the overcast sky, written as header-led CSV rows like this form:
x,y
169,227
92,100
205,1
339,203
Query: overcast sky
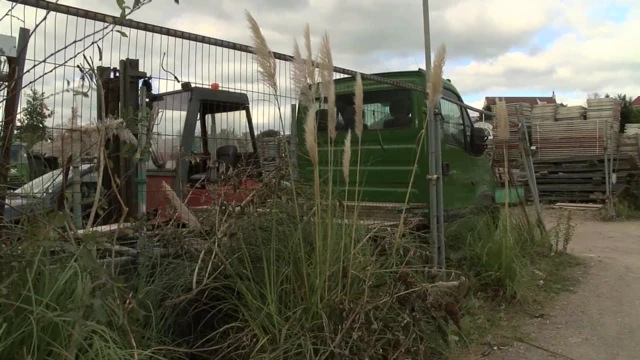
x,y
495,47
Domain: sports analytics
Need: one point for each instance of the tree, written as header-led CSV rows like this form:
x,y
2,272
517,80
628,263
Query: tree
x,y
628,114
487,118
32,124
268,133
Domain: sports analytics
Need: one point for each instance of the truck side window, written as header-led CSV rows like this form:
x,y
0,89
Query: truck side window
x,y
382,110
453,124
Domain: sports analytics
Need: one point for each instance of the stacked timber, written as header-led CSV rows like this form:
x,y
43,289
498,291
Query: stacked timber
x,y
580,178
607,111
631,129
569,153
543,113
567,137
564,139
571,113
629,144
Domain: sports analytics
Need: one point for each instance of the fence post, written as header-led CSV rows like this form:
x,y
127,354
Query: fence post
x,y
76,181
525,149
293,140
14,88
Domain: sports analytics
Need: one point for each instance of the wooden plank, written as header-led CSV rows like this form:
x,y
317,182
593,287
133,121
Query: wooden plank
x,y
588,206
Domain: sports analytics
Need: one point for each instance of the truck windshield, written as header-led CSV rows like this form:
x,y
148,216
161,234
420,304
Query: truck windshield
x,y
16,151
382,109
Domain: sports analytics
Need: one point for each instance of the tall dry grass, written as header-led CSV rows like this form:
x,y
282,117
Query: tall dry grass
x,y
322,287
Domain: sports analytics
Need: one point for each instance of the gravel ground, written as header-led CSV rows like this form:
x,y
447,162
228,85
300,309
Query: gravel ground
x,y
601,318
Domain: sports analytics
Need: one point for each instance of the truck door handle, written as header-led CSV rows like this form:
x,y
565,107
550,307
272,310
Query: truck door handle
x,y
446,167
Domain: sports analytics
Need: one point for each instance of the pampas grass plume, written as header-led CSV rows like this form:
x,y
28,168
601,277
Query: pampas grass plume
x,y
327,86
434,85
310,136
502,121
264,57
311,71
299,74
359,100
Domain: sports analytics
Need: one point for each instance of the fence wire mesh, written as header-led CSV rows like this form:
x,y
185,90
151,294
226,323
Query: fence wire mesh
x,y
235,118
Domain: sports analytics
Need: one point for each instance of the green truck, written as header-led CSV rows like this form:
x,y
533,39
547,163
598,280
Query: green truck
x,y
18,165
393,120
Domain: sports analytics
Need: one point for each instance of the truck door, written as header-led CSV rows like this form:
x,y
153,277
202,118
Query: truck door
x,y
465,177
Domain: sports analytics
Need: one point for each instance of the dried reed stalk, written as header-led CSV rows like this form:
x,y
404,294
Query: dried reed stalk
x,y
346,157
183,211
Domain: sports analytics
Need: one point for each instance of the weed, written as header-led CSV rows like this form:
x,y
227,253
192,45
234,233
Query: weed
x,y
496,252
562,233
56,307
626,204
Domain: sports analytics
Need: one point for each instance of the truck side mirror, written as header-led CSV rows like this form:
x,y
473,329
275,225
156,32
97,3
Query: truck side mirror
x,y
478,141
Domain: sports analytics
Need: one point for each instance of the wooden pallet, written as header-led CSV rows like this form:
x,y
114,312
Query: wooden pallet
x,y
580,178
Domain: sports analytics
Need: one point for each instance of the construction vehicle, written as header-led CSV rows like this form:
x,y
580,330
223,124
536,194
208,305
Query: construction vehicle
x,y
209,171
393,120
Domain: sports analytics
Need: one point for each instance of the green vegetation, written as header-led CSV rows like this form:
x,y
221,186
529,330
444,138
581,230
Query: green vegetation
x,y
32,123
626,204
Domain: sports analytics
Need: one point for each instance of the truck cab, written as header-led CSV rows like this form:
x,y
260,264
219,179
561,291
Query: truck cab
x,y
393,120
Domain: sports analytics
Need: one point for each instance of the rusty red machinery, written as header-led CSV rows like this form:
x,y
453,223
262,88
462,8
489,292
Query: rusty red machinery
x,y
217,171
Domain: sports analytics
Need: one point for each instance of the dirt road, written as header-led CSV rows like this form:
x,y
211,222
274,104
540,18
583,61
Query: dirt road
x,y
601,319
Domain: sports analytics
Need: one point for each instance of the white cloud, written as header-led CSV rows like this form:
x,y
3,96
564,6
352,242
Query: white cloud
x,y
589,57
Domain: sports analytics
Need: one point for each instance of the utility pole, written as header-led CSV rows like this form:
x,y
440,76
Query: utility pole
x,y
427,36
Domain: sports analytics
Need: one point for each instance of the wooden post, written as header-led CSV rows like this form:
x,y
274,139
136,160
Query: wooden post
x,y
14,88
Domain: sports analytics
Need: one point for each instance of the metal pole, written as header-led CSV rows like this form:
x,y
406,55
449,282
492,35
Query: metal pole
x,y
437,148
293,139
525,150
141,180
76,187
142,162
433,198
427,36
431,129
440,195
